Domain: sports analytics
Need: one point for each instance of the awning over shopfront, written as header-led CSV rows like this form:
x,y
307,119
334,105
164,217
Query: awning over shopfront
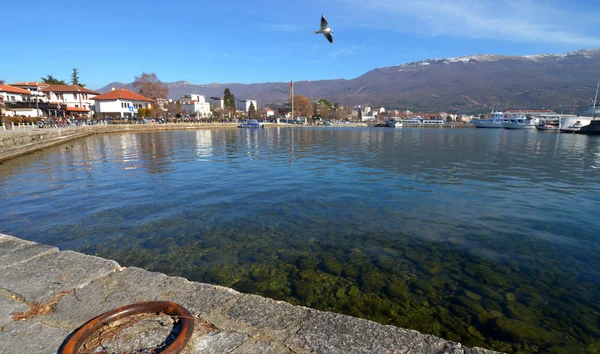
x,y
77,110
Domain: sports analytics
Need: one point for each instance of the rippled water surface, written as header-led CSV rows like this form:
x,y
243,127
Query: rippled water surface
x,y
488,237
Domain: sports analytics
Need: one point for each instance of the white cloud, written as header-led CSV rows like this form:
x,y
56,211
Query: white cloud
x,y
512,20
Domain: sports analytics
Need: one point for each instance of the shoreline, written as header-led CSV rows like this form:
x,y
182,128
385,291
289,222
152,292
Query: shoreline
x,y
23,141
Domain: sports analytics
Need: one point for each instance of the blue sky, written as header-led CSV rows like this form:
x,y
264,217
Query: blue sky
x,y
262,41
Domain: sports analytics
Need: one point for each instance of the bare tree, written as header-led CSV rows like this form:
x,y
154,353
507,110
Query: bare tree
x,y
150,86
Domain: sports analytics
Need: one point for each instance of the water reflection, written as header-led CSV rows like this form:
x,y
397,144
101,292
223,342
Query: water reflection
x,y
487,237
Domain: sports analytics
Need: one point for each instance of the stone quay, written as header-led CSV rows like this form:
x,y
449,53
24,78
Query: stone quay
x,y
46,294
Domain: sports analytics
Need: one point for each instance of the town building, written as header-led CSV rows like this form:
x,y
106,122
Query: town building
x,y
269,112
15,101
120,103
367,118
244,105
76,100
34,87
431,116
217,102
196,105
10,93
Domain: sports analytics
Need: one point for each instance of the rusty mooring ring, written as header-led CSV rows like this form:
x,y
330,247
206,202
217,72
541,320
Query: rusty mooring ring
x,y
169,308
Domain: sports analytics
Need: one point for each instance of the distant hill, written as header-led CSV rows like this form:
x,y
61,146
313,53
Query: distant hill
x,y
475,83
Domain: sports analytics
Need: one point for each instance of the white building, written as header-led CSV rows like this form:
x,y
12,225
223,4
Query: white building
x,y
10,93
195,105
34,87
366,118
270,112
75,99
120,103
11,99
244,105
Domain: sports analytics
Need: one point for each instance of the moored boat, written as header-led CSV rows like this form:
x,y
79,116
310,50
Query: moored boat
x,y
392,123
494,122
546,125
594,127
414,120
251,123
572,128
520,122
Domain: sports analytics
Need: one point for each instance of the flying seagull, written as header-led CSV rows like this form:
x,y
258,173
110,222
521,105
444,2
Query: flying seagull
x,y
325,29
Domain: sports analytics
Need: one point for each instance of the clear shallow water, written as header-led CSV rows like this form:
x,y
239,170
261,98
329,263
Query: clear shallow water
x,y
489,237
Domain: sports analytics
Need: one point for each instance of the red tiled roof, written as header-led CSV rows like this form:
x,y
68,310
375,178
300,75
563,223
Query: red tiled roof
x,y
77,109
529,110
29,83
68,88
9,88
121,94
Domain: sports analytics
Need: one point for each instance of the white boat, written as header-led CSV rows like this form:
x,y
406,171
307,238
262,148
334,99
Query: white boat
x,y
520,122
414,120
392,123
433,122
572,128
494,122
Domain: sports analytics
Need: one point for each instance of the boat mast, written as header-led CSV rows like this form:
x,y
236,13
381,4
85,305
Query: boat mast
x,y
293,98
595,99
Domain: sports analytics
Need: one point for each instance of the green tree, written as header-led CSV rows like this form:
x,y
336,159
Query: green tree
x,y
359,114
52,81
75,78
178,106
252,111
229,102
324,108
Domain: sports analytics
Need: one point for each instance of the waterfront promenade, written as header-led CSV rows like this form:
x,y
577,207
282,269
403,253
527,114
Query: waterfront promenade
x,y
46,294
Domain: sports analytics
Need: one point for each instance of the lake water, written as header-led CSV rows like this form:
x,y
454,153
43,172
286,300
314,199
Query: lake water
x,y
488,237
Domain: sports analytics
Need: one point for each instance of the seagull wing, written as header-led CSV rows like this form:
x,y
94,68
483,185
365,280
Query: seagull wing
x,y
324,23
329,37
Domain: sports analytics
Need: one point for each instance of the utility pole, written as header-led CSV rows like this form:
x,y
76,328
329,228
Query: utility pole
x,y
37,110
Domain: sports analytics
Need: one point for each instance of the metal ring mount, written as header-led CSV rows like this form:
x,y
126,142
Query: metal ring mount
x,y
167,307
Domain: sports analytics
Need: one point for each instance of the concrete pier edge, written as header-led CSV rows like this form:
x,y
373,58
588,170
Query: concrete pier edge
x,y
77,287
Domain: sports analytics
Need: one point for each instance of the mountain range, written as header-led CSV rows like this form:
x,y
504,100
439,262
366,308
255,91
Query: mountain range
x,y
470,84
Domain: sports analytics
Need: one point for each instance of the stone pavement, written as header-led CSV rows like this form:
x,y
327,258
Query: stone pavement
x,y
64,289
